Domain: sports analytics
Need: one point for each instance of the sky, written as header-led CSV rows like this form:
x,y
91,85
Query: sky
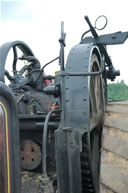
x,y
38,24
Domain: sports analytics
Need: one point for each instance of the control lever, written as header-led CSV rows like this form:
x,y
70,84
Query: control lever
x,y
93,31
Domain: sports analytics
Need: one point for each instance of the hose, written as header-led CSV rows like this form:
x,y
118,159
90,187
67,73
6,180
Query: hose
x,y
44,141
45,66
11,78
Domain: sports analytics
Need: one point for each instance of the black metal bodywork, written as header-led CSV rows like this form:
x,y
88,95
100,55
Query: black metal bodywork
x,y
79,94
9,142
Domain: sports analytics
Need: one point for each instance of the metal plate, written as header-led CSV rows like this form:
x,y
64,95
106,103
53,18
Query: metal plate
x,y
30,155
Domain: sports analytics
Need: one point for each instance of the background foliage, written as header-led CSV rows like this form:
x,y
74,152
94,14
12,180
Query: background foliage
x,y
118,91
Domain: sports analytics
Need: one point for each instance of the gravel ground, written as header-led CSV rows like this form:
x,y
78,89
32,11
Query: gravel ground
x,y
30,182
34,183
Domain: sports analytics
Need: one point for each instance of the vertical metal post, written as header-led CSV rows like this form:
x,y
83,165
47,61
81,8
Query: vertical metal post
x,y
68,161
62,45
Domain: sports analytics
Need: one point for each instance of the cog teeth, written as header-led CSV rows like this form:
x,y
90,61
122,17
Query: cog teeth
x,y
90,190
87,182
85,165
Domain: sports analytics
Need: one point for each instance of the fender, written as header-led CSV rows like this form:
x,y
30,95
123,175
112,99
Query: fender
x,y
75,90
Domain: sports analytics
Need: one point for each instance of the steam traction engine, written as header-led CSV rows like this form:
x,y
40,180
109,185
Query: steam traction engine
x,y
60,123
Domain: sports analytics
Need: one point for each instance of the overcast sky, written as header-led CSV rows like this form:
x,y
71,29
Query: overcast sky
x,y
37,22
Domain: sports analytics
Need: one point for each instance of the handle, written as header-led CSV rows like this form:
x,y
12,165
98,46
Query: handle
x,y
93,31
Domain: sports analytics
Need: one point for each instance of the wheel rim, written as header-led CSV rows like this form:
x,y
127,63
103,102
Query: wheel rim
x,y
96,113
96,95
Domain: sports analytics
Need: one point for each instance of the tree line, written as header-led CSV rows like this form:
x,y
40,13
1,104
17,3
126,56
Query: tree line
x,y
118,91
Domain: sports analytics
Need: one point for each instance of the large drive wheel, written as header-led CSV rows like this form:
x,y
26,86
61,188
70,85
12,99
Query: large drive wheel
x,y
97,103
97,114
92,139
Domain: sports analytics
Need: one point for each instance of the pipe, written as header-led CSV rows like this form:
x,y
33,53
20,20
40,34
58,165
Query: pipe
x,y
44,142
